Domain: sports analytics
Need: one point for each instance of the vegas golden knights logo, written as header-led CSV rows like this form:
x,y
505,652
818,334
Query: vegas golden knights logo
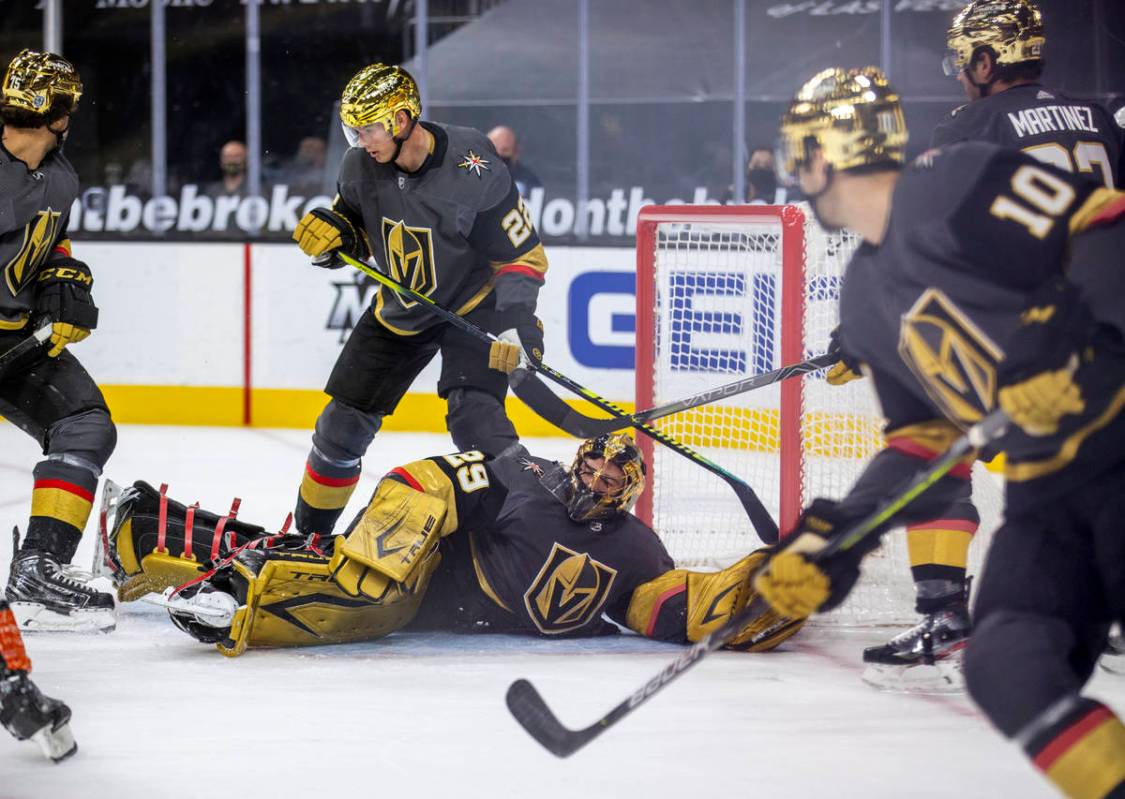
x,y
568,592
410,257
38,238
954,360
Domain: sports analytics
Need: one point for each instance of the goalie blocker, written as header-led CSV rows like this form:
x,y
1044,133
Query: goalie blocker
x,y
456,542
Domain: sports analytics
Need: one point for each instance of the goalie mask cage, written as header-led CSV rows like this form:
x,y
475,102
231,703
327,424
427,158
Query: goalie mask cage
x,y
727,292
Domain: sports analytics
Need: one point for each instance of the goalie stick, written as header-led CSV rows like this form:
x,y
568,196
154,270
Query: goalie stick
x,y
531,711
578,424
24,346
537,396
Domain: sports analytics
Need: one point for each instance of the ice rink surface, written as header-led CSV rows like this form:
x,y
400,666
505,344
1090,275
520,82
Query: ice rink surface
x,y
157,714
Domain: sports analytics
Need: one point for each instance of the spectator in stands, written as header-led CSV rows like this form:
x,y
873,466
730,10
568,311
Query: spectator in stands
x,y
507,147
304,174
232,164
761,180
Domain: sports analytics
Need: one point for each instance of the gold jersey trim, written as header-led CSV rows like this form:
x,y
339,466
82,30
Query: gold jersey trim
x,y
1094,204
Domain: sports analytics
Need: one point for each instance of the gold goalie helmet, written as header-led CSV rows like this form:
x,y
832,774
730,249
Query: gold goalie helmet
x,y
35,81
375,96
853,116
1012,28
599,495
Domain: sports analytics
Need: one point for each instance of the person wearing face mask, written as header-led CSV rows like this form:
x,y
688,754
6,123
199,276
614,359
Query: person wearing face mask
x,y
507,147
761,180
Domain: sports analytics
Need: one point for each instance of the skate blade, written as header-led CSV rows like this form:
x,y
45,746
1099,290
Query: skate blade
x,y
944,677
32,618
58,744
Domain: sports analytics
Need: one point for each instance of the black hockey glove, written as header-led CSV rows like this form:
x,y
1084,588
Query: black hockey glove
x,y
846,369
797,586
62,294
1036,377
520,332
322,233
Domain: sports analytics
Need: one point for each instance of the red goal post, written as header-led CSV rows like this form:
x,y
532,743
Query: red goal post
x,y
724,292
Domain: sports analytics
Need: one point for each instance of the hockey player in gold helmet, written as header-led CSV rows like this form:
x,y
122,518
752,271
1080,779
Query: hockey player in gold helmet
x,y
438,210
370,110
995,41
985,279
996,53
849,120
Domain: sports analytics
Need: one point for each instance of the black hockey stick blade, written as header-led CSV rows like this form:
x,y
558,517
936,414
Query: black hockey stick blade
x,y
529,709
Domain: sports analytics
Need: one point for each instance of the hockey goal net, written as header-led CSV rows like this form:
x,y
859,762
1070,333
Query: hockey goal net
x,y
727,292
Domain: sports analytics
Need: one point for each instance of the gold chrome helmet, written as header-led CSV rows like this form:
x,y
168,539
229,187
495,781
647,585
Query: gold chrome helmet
x,y
35,81
586,503
375,96
852,115
1012,28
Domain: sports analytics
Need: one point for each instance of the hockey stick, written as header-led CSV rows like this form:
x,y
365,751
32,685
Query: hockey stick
x,y
531,711
763,523
578,424
24,346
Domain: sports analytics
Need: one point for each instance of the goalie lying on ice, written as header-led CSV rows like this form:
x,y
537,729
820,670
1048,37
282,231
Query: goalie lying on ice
x,y
453,542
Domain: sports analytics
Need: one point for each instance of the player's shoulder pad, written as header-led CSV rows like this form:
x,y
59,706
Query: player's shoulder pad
x,y
479,178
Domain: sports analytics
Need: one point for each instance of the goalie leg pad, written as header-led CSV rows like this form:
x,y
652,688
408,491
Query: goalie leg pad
x,y
151,542
398,530
291,599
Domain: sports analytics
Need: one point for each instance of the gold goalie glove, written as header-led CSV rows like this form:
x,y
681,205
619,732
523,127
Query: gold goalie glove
x,y
685,606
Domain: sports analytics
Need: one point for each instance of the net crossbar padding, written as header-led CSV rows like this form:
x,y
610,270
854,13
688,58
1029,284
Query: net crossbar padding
x,y
727,292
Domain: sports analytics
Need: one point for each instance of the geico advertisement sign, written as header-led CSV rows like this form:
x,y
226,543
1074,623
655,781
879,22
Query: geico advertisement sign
x,y
114,209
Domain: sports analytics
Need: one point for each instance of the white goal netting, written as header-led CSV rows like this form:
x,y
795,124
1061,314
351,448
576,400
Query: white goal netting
x,y
723,293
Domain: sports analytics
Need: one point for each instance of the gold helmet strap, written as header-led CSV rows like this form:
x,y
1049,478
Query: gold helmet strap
x,y
404,134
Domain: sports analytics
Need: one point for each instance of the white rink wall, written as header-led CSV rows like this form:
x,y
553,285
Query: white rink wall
x,y
215,333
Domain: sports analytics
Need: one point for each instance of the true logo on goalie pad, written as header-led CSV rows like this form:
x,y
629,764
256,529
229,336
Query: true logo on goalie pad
x,y
953,359
568,592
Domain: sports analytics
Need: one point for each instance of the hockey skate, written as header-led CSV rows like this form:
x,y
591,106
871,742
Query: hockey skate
x,y
28,714
46,595
924,659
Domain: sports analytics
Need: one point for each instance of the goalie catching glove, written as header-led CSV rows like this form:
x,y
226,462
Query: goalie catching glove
x,y
795,585
62,295
521,339
1036,377
322,233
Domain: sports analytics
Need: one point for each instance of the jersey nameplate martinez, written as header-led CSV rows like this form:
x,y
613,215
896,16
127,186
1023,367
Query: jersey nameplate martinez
x,y
953,359
410,257
568,592
1053,118
38,238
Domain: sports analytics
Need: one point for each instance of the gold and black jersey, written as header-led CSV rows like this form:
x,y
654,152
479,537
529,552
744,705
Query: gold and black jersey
x,y
973,232
452,230
1074,135
556,576
34,210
